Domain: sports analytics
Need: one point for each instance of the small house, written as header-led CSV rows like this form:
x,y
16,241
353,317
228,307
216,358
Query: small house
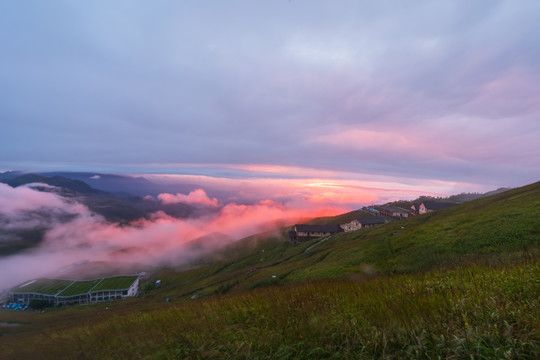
x,y
358,224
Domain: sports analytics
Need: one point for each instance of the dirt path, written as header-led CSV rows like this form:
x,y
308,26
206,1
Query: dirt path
x,y
317,243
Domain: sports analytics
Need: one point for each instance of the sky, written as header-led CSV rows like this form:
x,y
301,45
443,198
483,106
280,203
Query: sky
x,y
434,95
270,110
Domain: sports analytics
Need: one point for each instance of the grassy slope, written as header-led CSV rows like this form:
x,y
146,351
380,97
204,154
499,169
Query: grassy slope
x,y
483,311
493,229
342,219
461,281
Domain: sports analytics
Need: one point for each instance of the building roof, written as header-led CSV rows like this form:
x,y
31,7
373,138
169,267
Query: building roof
x,y
60,287
391,208
434,205
373,220
43,286
318,228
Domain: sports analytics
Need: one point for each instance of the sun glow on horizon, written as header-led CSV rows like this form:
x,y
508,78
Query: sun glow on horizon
x,y
347,188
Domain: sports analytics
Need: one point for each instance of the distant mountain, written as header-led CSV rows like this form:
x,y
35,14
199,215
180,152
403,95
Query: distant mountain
x,y
10,175
58,181
114,207
16,240
456,199
112,183
463,197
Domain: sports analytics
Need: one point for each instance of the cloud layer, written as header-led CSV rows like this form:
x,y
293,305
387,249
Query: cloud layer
x,y
425,90
73,234
195,197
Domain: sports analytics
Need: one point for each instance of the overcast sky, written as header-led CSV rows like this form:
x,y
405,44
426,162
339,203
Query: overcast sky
x,y
411,91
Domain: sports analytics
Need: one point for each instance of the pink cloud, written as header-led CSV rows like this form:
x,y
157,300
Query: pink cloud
x,y
145,243
275,182
197,197
330,197
25,198
263,204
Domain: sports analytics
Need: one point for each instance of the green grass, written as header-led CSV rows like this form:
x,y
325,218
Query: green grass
x,y
463,282
79,287
115,283
494,230
44,286
478,311
343,218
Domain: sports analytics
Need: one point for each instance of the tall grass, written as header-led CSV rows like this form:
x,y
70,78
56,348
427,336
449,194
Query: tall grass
x,y
480,312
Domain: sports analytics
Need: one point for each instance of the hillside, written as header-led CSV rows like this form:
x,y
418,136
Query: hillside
x,y
491,229
456,199
115,207
341,219
463,281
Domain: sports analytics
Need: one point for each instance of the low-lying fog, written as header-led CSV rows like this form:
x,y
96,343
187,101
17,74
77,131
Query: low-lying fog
x,y
73,235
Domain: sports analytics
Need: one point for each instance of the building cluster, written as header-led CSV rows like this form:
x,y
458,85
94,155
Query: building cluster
x,y
56,292
375,215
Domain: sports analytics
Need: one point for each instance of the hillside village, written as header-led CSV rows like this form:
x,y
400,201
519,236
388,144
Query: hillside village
x,y
371,216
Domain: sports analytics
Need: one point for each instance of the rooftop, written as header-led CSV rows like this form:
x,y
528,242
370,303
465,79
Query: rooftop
x,y
372,220
60,287
390,208
43,286
318,228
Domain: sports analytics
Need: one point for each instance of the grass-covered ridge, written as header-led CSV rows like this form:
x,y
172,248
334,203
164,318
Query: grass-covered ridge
x,y
483,311
476,311
458,283
494,229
